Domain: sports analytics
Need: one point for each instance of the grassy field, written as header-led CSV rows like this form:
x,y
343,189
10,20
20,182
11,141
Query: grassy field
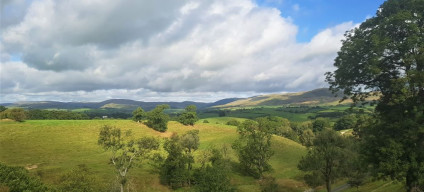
x,y
56,146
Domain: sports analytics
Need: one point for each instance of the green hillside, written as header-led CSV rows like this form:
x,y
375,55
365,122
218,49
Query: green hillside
x,y
314,97
51,147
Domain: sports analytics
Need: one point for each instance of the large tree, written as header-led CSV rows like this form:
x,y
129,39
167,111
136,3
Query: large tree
x,y
189,116
126,151
254,147
326,159
157,119
384,57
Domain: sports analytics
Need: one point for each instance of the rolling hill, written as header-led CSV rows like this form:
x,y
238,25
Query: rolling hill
x,y
321,96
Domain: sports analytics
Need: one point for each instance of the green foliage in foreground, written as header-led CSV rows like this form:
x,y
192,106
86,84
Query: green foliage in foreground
x,y
18,180
254,147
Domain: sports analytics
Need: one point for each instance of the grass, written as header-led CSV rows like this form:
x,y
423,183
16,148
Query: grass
x,y
57,146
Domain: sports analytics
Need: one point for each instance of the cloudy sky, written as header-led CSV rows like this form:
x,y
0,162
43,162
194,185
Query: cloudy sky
x,y
169,50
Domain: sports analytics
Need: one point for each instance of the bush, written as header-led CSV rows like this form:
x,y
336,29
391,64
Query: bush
x,y
17,180
205,121
233,122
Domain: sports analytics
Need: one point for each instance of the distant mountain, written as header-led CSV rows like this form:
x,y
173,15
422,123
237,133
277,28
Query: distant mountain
x,y
321,96
124,104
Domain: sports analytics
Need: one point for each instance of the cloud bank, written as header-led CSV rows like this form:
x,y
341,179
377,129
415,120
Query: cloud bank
x,y
148,50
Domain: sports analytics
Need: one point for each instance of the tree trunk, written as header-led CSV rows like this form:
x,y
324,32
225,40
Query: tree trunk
x,y
328,185
411,180
122,187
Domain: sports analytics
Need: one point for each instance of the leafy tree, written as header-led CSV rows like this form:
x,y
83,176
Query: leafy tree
x,y
125,150
320,124
190,143
233,122
17,114
345,122
254,147
214,177
17,180
138,114
384,57
307,138
157,119
79,179
174,172
189,116
2,108
325,160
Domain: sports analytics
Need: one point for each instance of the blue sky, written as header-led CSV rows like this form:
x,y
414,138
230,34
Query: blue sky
x,y
161,50
313,16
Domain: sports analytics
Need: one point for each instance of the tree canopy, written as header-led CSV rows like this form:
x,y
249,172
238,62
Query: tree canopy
x,y
384,57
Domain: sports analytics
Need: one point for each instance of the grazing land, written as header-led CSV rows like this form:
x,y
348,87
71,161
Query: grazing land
x,y
48,148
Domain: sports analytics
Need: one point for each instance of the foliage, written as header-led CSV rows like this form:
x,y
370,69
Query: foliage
x,y
125,150
174,172
17,180
17,114
384,57
157,119
79,179
38,114
205,121
190,142
254,147
325,160
138,114
307,138
213,177
233,122
189,116
320,124
2,108
346,122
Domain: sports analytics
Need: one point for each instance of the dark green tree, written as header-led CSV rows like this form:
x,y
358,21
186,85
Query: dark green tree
x,y
307,138
157,119
138,114
189,116
190,142
17,179
2,108
254,147
326,159
214,175
174,172
320,124
384,57
126,151
345,122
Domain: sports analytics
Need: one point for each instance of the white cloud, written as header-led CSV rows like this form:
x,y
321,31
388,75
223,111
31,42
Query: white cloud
x,y
82,48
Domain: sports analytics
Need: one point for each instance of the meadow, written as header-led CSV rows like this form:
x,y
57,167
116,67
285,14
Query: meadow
x,y
51,147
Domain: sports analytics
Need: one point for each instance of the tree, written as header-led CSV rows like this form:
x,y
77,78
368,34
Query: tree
x,y
325,160
345,122
17,179
2,108
214,177
125,150
320,124
307,138
189,116
17,114
138,114
254,147
190,143
157,119
384,57
173,171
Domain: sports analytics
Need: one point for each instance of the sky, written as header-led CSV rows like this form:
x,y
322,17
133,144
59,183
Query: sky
x,y
165,50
